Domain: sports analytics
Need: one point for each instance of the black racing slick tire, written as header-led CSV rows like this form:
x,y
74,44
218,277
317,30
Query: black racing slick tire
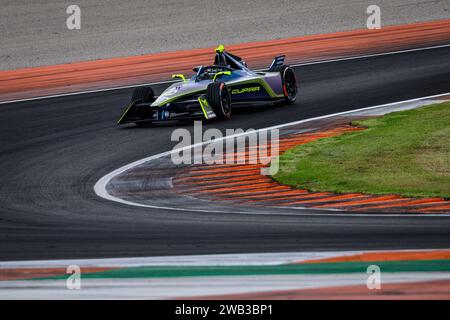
x,y
219,99
289,83
143,95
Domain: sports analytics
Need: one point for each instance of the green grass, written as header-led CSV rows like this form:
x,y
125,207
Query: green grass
x,y
405,153
309,268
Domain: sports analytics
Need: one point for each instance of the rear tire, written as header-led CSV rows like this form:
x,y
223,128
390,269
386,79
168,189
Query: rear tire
x,y
219,99
288,82
143,95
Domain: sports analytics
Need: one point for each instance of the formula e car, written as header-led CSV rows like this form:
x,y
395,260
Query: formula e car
x,y
214,91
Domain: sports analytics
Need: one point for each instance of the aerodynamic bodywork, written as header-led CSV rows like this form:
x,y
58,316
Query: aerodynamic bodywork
x,y
214,91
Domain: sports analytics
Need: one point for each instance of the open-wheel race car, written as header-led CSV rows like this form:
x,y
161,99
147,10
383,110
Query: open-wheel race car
x,y
214,91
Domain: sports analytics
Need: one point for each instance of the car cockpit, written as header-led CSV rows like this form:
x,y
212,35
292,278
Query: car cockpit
x,y
224,64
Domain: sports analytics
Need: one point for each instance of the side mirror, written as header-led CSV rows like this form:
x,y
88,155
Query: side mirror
x,y
179,76
221,73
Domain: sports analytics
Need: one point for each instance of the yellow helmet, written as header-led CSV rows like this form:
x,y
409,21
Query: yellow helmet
x,y
220,49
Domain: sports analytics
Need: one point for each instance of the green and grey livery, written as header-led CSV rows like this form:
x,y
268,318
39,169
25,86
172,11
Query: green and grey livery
x,y
213,91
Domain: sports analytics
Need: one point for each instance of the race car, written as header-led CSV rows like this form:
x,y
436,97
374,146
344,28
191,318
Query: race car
x,y
214,91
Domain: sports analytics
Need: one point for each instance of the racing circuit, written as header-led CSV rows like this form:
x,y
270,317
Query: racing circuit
x,y
50,210
62,158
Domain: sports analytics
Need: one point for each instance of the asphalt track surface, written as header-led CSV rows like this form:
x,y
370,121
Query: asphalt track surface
x,y
54,150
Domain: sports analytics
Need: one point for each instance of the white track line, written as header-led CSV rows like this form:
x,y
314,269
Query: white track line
x,y
100,186
229,259
172,81
233,259
187,288
371,55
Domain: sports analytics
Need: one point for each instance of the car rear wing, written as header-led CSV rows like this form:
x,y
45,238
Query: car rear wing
x,y
277,61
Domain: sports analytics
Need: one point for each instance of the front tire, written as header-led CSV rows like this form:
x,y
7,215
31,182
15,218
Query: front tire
x,y
219,99
143,95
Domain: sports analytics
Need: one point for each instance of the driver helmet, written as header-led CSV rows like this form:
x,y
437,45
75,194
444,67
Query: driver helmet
x,y
220,59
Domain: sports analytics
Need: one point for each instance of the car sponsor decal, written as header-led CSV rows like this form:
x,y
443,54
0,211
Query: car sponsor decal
x,y
246,90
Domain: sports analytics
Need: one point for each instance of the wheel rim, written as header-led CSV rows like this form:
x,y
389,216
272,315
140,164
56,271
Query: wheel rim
x,y
290,84
226,101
